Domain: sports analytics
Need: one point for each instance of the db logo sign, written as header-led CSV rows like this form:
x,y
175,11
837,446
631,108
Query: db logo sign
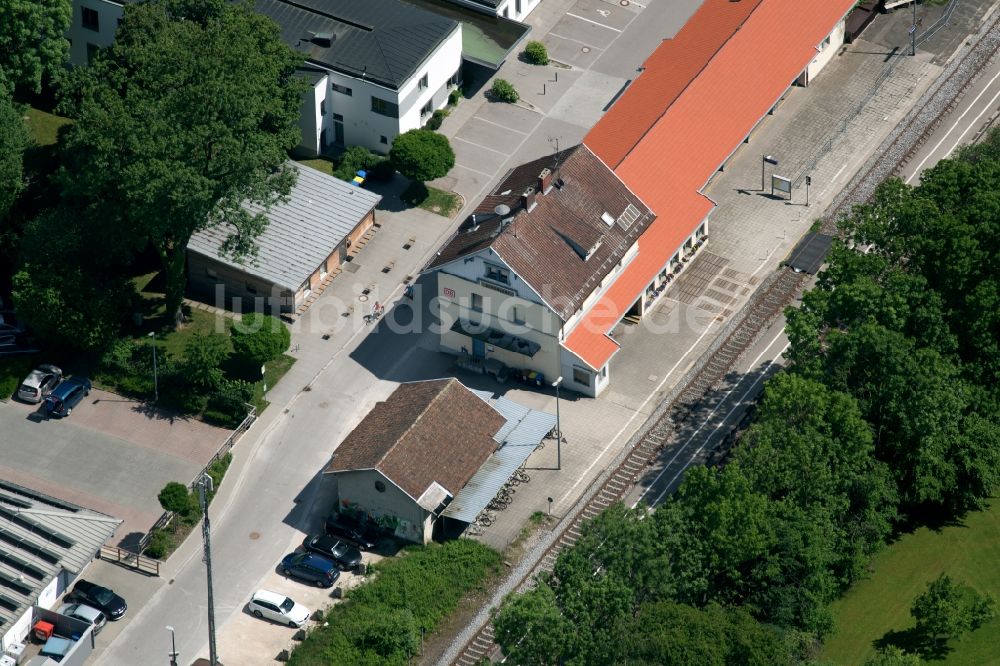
x,y
449,293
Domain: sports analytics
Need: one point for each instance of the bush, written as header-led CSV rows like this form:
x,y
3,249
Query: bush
x,y
535,53
127,366
176,498
436,119
454,97
161,543
260,338
382,171
504,91
354,159
217,470
422,155
227,405
203,356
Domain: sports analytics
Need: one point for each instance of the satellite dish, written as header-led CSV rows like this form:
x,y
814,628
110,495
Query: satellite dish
x,y
502,209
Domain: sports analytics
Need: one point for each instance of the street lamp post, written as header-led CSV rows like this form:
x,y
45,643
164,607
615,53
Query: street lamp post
x,y
156,385
764,161
173,647
557,383
913,30
205,486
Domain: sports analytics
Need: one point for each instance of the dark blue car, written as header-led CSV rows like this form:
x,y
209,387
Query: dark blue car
x,y
66,396
311,567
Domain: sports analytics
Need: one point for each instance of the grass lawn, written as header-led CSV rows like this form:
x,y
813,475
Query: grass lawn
x,y
44,126
969,553
431,199
320,164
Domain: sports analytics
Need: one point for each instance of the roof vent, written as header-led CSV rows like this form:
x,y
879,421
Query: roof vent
x,y
324,39
502,209
608,220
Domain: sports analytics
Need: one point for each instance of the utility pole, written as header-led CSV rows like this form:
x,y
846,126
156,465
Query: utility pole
x,y
173,647
913,30
557,383
156,385
809,181
205,486
764,161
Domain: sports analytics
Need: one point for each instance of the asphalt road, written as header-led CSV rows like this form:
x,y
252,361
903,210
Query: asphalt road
x,y
964,124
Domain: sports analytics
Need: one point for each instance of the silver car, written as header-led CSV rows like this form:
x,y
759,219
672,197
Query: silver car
x,y
86,614
39,383
278,608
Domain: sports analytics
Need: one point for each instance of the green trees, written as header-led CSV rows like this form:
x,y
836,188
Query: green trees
x,y
33,41
946,610
260,338
203,356
186,117
176,497
422,155
13,142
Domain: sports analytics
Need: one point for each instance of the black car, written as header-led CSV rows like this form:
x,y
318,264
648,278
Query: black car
x,y
66,396
100,598
344,554
362,534
310,567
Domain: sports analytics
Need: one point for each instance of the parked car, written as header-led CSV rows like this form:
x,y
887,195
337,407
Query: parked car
x,y
86,613
344,554
362,534
66,396
99,597
311,567
278,608
39,383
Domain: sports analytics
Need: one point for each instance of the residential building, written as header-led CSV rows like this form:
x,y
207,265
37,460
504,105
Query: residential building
x,y
516,10
433,449
307,239
375,69
45,544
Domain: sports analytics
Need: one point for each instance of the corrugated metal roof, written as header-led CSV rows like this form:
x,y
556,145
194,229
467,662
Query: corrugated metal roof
x,y
520,436
320,212
39,538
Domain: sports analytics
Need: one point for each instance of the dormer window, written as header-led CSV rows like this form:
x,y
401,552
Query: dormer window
x,y
497,274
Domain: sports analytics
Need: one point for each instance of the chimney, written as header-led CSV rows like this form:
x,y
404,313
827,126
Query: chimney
x,y
528,198
544,180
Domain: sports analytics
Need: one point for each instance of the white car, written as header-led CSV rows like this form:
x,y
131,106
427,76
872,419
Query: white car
x,y
278,608
86,614
39,383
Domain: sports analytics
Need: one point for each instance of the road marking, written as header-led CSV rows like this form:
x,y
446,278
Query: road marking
x,y
638,410
707,418
510,129
600,25
570,39
481,173
933,150
479,145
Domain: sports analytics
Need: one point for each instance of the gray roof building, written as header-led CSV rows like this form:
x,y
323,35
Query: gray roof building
x,y
40,537
384,41
319,214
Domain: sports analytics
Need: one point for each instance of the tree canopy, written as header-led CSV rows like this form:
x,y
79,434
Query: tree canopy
x,y
13,142
188,116
33,41
422,155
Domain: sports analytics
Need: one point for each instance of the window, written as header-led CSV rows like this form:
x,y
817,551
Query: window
x,y
338,117
423,83
384,107
516,314
380,486
581,376
604,372
426,110
322,107
210,272
91,21
92,50
455,78
343,90
497,274
383,139
517,7
477,302
826,43
251,288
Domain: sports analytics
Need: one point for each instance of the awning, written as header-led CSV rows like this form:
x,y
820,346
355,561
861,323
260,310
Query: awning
x,y
524,431
810,253
497,338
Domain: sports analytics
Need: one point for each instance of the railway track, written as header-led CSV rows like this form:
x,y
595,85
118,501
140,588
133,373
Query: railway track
x,y
776,292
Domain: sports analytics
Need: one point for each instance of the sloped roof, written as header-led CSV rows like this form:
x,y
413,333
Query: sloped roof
x,y
381,40
426,432
548,246
41,536
695,134
301,232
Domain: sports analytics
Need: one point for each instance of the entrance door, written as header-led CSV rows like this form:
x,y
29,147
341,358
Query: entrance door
x,y
338,133
478,349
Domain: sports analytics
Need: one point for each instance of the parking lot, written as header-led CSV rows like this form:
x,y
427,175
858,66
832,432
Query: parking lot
x,y
111,455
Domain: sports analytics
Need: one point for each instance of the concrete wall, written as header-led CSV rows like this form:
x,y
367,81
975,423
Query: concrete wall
x,y
108,15
356,491
827,49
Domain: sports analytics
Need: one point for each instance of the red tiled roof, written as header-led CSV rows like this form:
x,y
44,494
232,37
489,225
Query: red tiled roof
x,y
425,432
685,146
670,68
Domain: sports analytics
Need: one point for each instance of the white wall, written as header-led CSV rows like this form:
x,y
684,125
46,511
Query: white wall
x,y
506,9
827,51
108,14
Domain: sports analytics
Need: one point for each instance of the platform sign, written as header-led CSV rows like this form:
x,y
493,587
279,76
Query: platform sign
x,y
781,184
